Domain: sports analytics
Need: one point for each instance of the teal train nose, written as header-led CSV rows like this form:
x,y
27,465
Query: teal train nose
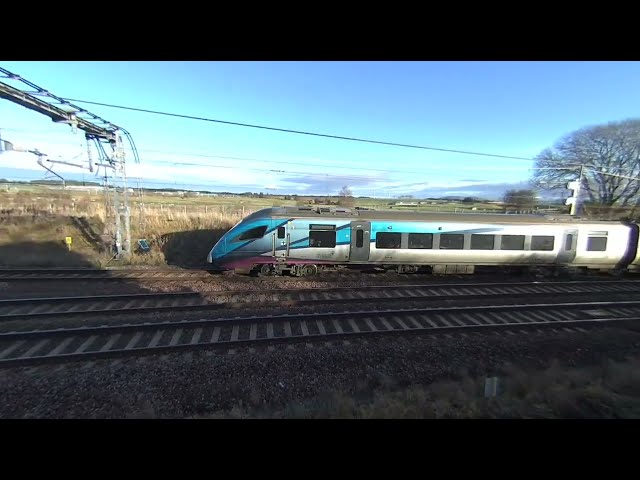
x,y
217,251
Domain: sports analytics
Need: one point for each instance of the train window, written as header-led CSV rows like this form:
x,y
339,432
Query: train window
x,y
482,242
512,242
280,232
359,238
542,242
568,243
596,244
388,240
253,233
452,241
421,240
322,239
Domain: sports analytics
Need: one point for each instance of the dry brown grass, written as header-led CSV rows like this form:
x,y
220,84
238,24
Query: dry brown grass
x,y
33,229
178,238
38,240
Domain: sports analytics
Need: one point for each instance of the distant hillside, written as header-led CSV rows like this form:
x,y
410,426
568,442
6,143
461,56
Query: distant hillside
x,y
52,182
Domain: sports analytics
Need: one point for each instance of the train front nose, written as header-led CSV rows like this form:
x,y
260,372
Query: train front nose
x,y
217,252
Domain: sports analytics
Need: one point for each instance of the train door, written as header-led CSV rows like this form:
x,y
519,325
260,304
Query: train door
x,y
360,241
568,247
280,242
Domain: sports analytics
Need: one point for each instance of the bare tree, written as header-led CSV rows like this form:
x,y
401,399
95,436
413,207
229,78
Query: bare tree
x,y
346,197
346,192
521,199
606,154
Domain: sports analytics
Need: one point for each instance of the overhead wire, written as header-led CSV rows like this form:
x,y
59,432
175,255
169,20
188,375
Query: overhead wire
x,y
298,132
299,163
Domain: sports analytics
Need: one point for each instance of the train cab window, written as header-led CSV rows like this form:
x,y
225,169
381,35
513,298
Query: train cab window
x,y
388,240
322,238
359,238
542,242
421,240
451,241
512,242
253,233
568,242
596,244
482,242
280,232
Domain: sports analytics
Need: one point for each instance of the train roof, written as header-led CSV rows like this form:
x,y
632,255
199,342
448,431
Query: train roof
x,y
332,212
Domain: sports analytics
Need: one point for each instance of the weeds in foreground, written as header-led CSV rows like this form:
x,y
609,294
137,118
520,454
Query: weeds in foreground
x,y
610,390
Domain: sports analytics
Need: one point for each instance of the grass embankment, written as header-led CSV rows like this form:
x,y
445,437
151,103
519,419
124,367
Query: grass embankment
x,y
33,228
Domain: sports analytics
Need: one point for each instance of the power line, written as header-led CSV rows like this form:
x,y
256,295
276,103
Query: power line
x,y
337,177
299,132
226,157
315,176
323,176
319,178
305,164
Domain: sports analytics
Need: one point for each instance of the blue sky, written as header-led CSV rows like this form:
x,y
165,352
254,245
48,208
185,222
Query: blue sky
x,y
504,108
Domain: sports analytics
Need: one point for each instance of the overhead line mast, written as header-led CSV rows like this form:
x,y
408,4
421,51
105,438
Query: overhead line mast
x,y
98,131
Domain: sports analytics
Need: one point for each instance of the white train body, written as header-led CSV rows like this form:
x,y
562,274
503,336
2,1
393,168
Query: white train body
x,y
447,243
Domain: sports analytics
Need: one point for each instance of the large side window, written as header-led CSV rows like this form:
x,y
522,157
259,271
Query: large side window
x,y
252,234
421,240
512,242
322,238
596,244
542,242
388,240
452,241
482,242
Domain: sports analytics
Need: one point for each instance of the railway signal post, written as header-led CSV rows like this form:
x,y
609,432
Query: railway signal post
x,y
573,199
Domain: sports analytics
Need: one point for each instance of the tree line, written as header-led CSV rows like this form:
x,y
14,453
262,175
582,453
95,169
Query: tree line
x,y
603,159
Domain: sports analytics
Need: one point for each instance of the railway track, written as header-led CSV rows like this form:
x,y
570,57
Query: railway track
x,y
113,274
104,275
92,343
25,308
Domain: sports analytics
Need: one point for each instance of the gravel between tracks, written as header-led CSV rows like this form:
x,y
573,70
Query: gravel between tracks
x,y
216,283
185,385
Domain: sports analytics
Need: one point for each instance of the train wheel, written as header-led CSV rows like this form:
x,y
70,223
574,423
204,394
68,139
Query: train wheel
x,y
264,270
309,270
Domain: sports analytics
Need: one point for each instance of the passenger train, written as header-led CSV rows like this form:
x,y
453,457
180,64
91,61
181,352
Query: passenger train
x,y
305,240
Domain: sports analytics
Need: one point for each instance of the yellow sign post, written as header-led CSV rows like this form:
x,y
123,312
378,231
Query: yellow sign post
x,y
68,241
